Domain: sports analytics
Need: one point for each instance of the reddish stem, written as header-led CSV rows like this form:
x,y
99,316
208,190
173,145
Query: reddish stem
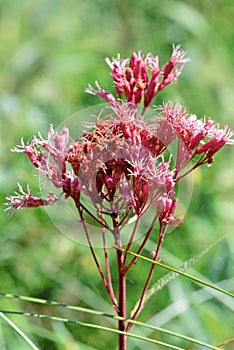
x,y
108,273
124,218
122,299
140,305
201,161
115,306
93,216
121,287
131,237
132,262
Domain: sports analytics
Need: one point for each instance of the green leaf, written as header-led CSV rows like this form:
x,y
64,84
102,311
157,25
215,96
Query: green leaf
x,y
19,331
91,325
100,313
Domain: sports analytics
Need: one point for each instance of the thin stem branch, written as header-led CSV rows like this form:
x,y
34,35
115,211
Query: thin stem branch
x,y
108,272
115,306
121,288
122,299
131,238
148,232
162,231
125,217
103,224
201,161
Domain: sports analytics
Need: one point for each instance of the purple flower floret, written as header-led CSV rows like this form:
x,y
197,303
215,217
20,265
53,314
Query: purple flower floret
x,y
23,199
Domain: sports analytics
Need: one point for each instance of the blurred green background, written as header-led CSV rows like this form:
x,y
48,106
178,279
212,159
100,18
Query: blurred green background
x,y
49,51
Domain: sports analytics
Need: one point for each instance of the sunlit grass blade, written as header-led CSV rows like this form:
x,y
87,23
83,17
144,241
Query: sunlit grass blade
x,y
100,313
54,303
163,281
195,279
91,325
18,330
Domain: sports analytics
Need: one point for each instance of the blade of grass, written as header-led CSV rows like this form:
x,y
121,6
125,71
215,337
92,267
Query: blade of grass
x,y
91,325
195,279
55,303
19,331
163,281
99,313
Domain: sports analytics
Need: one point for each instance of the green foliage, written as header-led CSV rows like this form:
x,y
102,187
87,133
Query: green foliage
x,y
49,52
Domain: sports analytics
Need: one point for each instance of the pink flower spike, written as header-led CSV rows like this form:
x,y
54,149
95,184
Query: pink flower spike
x,y
20,148
219,138
56,146
176,58
60,139
27,200
151,91
167,214
178,55
172,70
133,60
144,74
30,150
137,68
118,71
107,96
152,62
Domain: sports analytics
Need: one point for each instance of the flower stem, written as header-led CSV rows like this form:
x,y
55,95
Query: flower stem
x,y
121,287
122,298
147,234
150,274
106,285
131,238
108,272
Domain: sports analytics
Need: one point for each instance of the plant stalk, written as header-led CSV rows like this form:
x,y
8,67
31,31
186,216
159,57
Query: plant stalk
x,y
122,299
140,306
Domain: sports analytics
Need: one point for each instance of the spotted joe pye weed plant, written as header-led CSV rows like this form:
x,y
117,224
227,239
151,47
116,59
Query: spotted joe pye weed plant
x,y
122,166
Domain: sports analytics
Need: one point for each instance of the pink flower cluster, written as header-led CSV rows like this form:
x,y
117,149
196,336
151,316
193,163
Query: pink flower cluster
x,y
141,77
119,162
196,136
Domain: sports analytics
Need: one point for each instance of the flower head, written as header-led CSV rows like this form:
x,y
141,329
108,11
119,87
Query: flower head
x,y
121,161
119,165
